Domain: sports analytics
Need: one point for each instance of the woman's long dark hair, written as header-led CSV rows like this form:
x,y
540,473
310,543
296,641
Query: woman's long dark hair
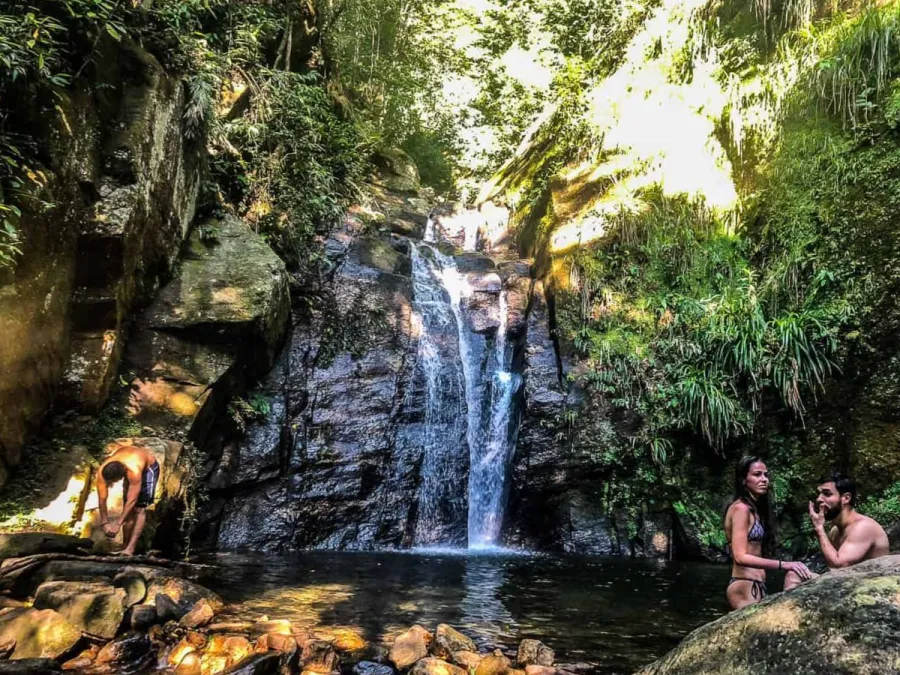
x,y
763,508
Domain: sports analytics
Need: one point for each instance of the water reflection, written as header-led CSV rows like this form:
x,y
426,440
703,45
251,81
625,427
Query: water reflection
x,y
482,604
611,615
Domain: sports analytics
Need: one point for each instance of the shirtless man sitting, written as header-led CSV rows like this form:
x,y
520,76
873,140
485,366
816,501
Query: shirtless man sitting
x,y
852,538
140,471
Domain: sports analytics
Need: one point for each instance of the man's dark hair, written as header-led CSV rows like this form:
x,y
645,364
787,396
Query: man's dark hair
x,y
113,471
842,482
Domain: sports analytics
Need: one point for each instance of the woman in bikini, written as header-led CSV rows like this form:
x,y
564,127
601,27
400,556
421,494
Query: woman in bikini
x,y
750,531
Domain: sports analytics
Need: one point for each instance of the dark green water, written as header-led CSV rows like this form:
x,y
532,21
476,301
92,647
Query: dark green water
x,y
610,615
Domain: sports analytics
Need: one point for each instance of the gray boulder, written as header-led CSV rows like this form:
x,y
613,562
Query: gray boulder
x,y
96,609
22,544
38,634
846,621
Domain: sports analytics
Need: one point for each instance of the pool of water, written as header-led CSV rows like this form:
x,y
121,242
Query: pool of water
x,y
608,615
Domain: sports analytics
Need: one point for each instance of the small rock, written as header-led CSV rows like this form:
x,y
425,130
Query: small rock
x,y
348,641
534,652
185,593
189,664
230,627
495,664
135,587
257,664
285,644
212,664
278,626
433,666
200,615
319,657
540,670
167,609
189,643
236,646
448,640
143,616
29,667
95,608
128,648
372,668
223,652
410,647
38,633
466,659
83,660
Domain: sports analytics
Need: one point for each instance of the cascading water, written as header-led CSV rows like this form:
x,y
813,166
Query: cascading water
x,y
445,420
489,393
490,459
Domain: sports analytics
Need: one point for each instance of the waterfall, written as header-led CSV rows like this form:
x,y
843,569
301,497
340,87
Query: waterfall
x,y
445,420
490,460
488,389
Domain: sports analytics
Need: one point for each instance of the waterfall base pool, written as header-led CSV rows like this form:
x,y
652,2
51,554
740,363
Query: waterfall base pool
x,y
601,615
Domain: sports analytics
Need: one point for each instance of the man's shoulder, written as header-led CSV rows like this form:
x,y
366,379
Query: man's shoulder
x,y
866,526
873,523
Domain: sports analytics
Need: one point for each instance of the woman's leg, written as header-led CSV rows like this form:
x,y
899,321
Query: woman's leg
x,y
792,580
740,594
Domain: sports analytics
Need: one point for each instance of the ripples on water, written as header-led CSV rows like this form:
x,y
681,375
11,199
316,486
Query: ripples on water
x,y
614,615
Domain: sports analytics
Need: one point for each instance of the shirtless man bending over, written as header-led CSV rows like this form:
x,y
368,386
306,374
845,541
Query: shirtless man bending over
x,y
852,537
140,471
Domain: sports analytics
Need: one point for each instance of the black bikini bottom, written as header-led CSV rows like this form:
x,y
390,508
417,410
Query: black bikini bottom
x,y
758,590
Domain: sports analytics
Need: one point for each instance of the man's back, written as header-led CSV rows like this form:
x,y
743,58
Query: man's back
x,y
135,458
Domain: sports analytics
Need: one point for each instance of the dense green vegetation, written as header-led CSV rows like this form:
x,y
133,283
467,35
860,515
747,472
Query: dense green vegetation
x,y
706,327
709,187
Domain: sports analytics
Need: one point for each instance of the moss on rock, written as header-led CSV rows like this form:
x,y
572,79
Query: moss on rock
x,y
846,621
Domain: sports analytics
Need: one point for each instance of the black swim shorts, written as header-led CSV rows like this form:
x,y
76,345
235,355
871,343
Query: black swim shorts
x,y
149,479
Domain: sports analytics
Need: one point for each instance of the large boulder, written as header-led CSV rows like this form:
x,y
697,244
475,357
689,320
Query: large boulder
x,y
432,666
409,647
534,653
30,667
448,640
494,664
23,544
38,633
846,621
396,170
96,609
125,182
223,318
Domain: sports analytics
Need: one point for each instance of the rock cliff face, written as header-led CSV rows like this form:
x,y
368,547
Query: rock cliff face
x,y
383,428
371,402
122,183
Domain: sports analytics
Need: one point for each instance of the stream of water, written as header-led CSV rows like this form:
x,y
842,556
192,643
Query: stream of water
x,y
488,396
610,616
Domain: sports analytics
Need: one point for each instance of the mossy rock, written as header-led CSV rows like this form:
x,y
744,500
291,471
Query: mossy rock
x,y
846,621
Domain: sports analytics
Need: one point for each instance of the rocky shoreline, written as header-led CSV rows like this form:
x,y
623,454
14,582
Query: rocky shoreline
x,y
64,610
